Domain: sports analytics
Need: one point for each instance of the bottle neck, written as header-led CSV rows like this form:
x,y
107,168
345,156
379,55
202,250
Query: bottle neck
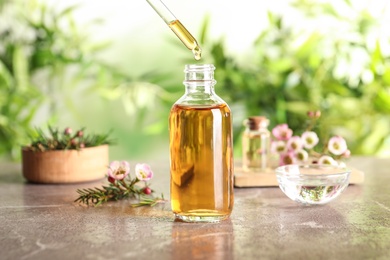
x,y
199,78
199,88
199,83
199,72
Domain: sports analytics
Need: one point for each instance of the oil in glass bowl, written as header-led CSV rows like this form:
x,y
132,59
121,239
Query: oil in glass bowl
x,y
312,184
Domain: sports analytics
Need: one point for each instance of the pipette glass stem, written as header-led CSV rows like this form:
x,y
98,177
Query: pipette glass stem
x,y
177,27
162,10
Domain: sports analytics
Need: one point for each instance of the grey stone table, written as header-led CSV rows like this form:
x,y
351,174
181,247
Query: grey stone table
x,y
42,222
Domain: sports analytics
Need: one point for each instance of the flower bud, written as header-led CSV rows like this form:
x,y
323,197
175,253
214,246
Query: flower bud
x,y
347,153
80,133
111,179
68,131
147,190
317,114
314,114
310,114
73,142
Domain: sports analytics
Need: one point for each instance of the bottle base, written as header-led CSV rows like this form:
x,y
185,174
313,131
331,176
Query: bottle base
x,y
201,216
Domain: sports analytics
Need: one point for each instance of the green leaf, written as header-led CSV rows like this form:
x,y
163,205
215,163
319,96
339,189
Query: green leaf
x,y
6,78
379,132
20,68
298,107
386,76
67,11
382,100
204,29
309,46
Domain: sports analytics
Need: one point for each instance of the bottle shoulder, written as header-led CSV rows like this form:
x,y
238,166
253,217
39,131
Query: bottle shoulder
x,y
200,100
212,106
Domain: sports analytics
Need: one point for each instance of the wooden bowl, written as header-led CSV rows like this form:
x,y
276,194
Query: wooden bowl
x,y
65,166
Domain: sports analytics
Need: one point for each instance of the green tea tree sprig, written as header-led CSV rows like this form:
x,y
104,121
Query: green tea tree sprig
x,y
121,186
65,140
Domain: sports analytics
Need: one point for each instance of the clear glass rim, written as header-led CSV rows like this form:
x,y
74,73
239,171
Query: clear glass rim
x,y
195,67
340,170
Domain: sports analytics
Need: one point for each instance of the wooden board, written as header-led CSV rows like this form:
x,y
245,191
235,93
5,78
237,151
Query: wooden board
x,y
268,178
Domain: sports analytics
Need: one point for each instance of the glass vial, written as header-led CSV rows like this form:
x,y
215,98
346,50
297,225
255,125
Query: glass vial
x,y
201,150
256,144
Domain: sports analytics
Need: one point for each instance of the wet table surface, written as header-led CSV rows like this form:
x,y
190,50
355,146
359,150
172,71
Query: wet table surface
x,y
43,222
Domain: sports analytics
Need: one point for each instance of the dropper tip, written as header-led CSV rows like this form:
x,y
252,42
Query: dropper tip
x,y
197,51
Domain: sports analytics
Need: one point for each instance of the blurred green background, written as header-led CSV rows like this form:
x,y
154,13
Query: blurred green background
x,y
115,66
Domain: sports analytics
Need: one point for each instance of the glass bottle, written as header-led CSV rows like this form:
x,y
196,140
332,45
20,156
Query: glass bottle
x,y
201,150
256,144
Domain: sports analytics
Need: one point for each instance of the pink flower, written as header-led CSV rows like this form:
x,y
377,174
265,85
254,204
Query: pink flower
x,y
143,172
302,156
309,139
337,145
294,144
118,170
278,146
287,158
325,159
282,132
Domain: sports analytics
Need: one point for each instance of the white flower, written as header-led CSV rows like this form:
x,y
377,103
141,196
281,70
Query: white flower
x,y
294,144
342,164
309,139
325,159
302,155
337,145
278,146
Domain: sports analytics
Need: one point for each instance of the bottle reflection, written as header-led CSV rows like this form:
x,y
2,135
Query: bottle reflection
x,y
202,241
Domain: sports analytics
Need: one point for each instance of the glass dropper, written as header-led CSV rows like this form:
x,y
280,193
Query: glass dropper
x,y
177,27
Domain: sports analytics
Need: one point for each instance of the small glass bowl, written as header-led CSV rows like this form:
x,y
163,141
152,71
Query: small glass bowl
x,y
312,184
